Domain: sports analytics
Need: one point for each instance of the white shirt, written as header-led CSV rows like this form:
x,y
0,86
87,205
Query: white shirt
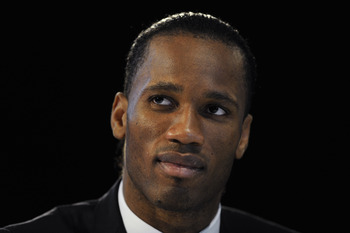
x,y
134,224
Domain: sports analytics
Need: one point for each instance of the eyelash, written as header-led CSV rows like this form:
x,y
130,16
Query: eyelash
x,y
216,106
153,98
173,104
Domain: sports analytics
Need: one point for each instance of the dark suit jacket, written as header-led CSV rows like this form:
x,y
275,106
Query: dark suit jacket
x,y
103,216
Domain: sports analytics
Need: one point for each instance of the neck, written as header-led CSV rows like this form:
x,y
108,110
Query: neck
x,y
189,220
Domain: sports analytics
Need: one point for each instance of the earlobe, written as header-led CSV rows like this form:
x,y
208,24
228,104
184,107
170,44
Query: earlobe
x,y
118,116
243,142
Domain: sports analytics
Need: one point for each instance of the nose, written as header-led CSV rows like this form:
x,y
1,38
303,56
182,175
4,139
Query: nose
x,y
186,128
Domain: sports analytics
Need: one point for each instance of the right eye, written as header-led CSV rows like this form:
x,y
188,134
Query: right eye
x,y
161,100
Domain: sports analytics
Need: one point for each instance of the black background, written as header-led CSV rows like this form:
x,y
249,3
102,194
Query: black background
x,y
61,66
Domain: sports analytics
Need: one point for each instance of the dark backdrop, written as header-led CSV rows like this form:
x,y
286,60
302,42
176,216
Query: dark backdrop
x,y
62,65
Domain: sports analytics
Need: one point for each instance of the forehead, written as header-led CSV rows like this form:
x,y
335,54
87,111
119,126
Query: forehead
x,y
197,54
192,62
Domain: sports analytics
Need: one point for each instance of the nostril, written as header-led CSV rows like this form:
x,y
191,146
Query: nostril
x,y
185,138
175,141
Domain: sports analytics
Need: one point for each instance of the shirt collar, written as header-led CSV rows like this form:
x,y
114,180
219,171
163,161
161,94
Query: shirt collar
x,y
134,224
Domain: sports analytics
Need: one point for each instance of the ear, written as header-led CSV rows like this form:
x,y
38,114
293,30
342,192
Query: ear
x,y
243,142
118,117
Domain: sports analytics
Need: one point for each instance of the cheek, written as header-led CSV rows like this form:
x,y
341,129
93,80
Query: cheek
x,y
136,154
223,144
224,139
145,129
142,135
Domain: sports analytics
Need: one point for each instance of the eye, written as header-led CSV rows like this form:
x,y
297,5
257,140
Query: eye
x,y
161,100
216,110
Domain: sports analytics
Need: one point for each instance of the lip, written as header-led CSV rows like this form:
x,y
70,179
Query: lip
x,y
180,165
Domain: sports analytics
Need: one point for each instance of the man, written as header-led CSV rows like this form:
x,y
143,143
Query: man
x,y
184,118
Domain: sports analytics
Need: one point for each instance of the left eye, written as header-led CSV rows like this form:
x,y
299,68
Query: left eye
x,y
216,110
160,100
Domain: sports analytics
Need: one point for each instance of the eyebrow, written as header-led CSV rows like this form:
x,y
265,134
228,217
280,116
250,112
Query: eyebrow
x,y
222,97
165,86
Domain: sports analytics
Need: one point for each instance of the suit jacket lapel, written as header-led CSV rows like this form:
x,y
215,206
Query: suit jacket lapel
x,y
108,218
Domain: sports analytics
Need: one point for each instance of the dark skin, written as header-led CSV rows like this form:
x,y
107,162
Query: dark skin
x,y
184,125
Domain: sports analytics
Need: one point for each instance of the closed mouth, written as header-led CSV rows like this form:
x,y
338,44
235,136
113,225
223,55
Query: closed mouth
x,y
179,165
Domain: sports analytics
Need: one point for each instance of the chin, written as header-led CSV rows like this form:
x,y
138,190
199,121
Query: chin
x,y
179,199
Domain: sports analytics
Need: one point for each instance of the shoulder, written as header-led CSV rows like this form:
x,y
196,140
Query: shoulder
x,y
101,215
233,220
65,218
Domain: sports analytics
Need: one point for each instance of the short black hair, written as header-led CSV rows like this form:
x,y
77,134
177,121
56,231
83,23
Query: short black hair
x,y
198,24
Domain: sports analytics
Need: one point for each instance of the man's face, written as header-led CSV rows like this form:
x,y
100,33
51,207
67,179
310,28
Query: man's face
x,y
185,122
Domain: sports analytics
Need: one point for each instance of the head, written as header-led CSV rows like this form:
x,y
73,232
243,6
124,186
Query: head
x,y
199,25
184,111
